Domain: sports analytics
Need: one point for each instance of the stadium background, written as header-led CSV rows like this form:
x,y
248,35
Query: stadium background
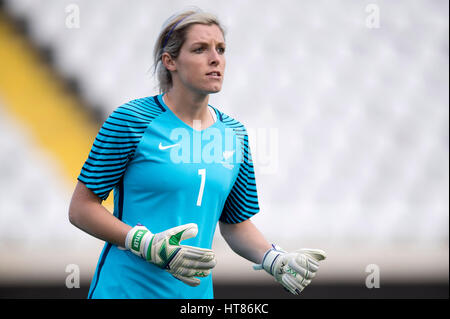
x,y
347,108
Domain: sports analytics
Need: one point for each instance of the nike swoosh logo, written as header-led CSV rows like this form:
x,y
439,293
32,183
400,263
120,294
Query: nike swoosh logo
x,y
161,147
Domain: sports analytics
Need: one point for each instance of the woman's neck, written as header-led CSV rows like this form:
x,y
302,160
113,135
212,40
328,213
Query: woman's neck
x,y
188,106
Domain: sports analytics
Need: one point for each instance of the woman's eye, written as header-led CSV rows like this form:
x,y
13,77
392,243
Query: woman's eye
x,y
220,50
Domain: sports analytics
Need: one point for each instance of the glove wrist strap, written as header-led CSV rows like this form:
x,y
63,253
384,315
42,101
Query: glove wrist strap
x,y
136,239
269,259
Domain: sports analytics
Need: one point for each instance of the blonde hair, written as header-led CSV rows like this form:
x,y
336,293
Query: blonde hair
x,y
172,37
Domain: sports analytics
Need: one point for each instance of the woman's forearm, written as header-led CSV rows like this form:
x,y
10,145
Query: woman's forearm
x,y
245,240
87,213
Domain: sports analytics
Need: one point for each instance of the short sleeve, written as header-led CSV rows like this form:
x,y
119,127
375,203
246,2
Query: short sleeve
x,y
114,147
242,201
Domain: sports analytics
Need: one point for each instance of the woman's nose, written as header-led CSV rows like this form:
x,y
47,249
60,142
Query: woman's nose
x,y
214,58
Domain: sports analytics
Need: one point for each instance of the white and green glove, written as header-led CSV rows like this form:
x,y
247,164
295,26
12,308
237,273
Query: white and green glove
x,y
292,270
164,250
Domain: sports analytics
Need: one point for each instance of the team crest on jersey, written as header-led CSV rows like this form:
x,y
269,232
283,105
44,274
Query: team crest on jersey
x,y
227,155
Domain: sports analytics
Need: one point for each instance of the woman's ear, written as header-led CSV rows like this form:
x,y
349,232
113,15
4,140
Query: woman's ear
x,y
168,62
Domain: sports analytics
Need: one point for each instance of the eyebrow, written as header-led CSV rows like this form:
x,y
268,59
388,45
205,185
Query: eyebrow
x,y
203,43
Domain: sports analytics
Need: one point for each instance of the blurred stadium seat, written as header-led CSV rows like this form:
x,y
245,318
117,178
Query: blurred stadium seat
x,y
359,165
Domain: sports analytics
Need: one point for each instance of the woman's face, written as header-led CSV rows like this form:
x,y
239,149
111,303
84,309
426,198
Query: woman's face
x,y
200,64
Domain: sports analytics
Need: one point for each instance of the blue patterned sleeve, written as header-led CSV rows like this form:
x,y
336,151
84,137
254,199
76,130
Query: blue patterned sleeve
x,y
114,146
242,201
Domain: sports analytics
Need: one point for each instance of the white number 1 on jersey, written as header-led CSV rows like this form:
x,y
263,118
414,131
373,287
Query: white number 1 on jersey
x,y
202,172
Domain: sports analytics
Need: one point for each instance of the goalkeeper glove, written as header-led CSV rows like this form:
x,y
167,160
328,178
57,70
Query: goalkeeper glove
x,y
292,270
164,250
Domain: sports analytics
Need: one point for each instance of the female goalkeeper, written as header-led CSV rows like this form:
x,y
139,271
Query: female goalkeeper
x,y
178,166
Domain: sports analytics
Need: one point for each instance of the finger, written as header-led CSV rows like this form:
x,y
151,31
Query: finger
x,y
190,261
201,265
316,254
301,258
188,272
305,283
201,273
300,272
196,253
303,265
291,284
302,280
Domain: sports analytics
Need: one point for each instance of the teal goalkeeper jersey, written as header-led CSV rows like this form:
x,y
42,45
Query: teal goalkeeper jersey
x,y
165,173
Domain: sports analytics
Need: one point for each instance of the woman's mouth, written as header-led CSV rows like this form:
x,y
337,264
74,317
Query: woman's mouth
x,y
214,75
